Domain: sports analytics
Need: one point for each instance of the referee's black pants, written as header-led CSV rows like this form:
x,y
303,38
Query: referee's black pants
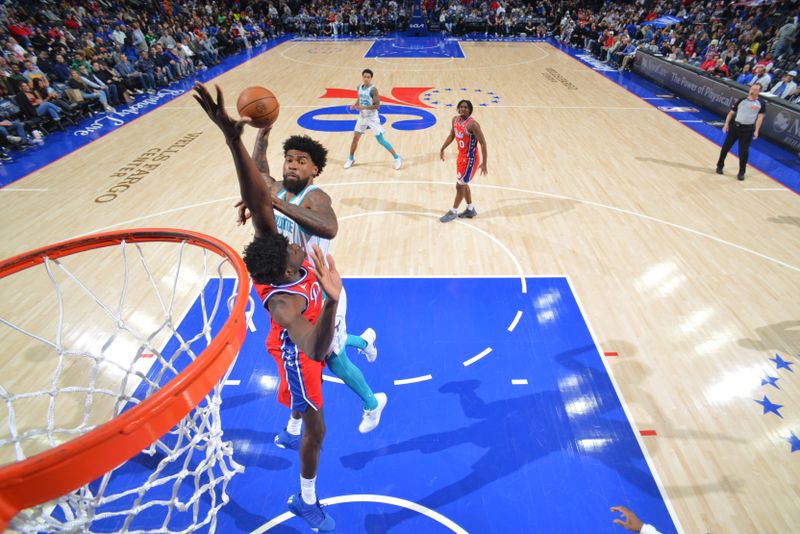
x,y
742,133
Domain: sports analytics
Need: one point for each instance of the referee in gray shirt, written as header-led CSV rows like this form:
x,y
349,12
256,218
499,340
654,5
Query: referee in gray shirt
x,y
742,124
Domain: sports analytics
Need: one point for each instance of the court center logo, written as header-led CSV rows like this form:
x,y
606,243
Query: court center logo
x,y
403,102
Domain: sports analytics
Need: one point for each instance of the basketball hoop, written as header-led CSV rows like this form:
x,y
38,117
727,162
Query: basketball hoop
x,y
66,469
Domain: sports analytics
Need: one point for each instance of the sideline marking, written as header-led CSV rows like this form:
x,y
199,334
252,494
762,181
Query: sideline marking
x,y
480,186
650,464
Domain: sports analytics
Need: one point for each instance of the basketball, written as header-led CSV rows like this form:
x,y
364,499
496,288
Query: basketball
x,y
259,104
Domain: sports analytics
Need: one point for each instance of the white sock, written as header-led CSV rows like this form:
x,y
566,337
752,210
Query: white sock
x,y
308,490
294,426
453,210
469,206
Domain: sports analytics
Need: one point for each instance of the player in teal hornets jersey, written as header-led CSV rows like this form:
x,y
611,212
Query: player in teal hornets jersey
x,y
367,105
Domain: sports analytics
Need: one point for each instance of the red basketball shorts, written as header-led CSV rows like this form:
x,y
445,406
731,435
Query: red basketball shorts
x,y
466,167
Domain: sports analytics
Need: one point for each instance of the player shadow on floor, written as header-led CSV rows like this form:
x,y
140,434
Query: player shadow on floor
x,y
705,169
264,455
514,432
788,332
232,403
785,219
543,208
247,521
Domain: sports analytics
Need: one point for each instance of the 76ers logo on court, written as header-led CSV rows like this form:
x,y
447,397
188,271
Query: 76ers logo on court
x,y
405,101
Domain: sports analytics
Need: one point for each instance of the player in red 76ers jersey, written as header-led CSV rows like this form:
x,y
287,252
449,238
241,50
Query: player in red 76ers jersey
x,y
302,325
468,134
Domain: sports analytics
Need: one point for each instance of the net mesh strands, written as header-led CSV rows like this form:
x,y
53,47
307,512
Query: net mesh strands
x,y
89,347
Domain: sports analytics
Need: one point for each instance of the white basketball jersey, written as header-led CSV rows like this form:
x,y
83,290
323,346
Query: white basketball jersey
x,y
293,231
365,99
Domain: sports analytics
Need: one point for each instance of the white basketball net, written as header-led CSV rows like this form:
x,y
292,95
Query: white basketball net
x,y
112,341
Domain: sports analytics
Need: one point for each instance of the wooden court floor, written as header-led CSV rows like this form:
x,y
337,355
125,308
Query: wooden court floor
x,y
693,279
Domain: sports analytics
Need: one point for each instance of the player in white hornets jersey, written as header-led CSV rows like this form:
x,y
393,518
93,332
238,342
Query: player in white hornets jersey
x,y
367,105
292,230
303,213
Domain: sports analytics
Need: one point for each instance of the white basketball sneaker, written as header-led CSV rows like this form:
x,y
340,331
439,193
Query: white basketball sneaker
x,y
370,351
371,418
349,163
398,162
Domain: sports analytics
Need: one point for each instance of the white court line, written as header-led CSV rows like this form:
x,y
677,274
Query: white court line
x,y
514,259
232,107
781,189
449,184
690,121
642,216
513,324
477,357
335,379
655,98
22,190
533,106
403,381
519,381
384,499
615,108
232,383
628,415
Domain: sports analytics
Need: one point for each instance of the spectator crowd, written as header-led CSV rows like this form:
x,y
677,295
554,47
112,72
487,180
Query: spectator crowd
x,y
63,61
746,42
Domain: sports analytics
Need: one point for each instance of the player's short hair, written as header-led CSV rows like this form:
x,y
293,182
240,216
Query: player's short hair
x,y
312,147
266,258
467,102
758,84
367,71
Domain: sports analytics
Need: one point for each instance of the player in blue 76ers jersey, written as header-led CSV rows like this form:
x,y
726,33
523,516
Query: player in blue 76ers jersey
x,y
303,323
468,134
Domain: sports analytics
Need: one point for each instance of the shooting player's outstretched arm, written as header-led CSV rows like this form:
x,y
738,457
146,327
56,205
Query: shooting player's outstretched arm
x,y
254,190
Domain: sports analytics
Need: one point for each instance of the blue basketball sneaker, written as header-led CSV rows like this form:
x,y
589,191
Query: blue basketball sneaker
x,y
449,216
468,213
315,516
284,440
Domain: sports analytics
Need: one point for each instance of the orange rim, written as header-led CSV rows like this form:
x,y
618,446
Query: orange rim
x,y
58,471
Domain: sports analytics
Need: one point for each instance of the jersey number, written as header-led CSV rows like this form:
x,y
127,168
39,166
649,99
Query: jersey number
x,y
460,143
